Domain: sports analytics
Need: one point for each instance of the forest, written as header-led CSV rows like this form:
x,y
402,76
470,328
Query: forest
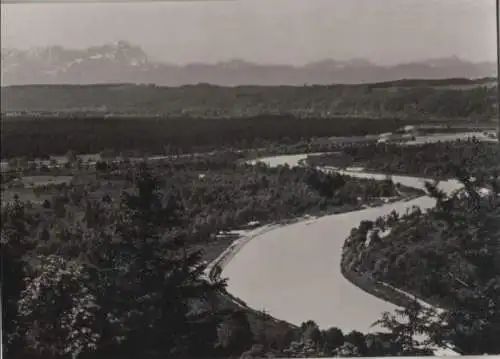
x,y
448,256
451,98
50,120
111,264
429,160
39,137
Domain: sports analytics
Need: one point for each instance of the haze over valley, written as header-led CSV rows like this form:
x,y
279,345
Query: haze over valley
x,y
123,62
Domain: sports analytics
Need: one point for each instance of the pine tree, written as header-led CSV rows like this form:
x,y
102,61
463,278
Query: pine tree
x,y
155,278
15,244
405,326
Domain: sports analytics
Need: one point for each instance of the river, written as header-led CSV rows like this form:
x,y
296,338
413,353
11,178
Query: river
x,y
293,272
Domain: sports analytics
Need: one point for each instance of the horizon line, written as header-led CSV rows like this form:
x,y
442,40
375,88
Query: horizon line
x,y
153,60
142,84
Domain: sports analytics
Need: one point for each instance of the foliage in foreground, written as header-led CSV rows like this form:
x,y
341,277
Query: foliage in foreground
x,y
122,281
448,256
125,290
109,267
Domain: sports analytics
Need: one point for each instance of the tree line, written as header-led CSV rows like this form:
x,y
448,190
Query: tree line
x,y
408,98
431,160
42,137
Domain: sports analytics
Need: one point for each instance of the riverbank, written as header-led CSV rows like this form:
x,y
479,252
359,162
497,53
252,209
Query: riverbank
x,y
375,288
381,290
298,281
214,269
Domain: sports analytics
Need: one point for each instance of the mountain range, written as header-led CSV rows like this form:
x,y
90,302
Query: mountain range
x,y
122,62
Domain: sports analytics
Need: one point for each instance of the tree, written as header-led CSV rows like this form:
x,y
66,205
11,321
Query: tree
x,y
101,166
304,348
406,326
347,350
16,244
256,351
358,340
449,255
149,292
473,324
235,334
333,338
380,344
472,319
57,309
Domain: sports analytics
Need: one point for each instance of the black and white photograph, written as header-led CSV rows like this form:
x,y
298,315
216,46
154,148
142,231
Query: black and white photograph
x,y
240,179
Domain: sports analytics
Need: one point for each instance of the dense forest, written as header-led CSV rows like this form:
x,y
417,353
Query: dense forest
x,y
112,263
40,137
448,256
431,160
50,120
406,99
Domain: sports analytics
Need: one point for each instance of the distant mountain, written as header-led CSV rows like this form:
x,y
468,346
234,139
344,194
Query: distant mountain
x,y
122,62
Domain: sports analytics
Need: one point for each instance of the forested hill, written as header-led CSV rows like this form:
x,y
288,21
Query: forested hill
x,y
451,98
448,256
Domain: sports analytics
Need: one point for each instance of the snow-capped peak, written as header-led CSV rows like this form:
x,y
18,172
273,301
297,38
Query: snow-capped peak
x,y
119,51
54,59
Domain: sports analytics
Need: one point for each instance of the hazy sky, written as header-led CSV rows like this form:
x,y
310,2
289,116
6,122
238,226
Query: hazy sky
x,y
266,31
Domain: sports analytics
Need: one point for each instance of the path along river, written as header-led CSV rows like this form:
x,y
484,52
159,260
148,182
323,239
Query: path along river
x,y
293,272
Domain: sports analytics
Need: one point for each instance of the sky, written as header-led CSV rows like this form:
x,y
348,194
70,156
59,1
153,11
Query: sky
x,y
264,31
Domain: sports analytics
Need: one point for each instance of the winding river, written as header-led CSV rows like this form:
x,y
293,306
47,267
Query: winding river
x,y
293,271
